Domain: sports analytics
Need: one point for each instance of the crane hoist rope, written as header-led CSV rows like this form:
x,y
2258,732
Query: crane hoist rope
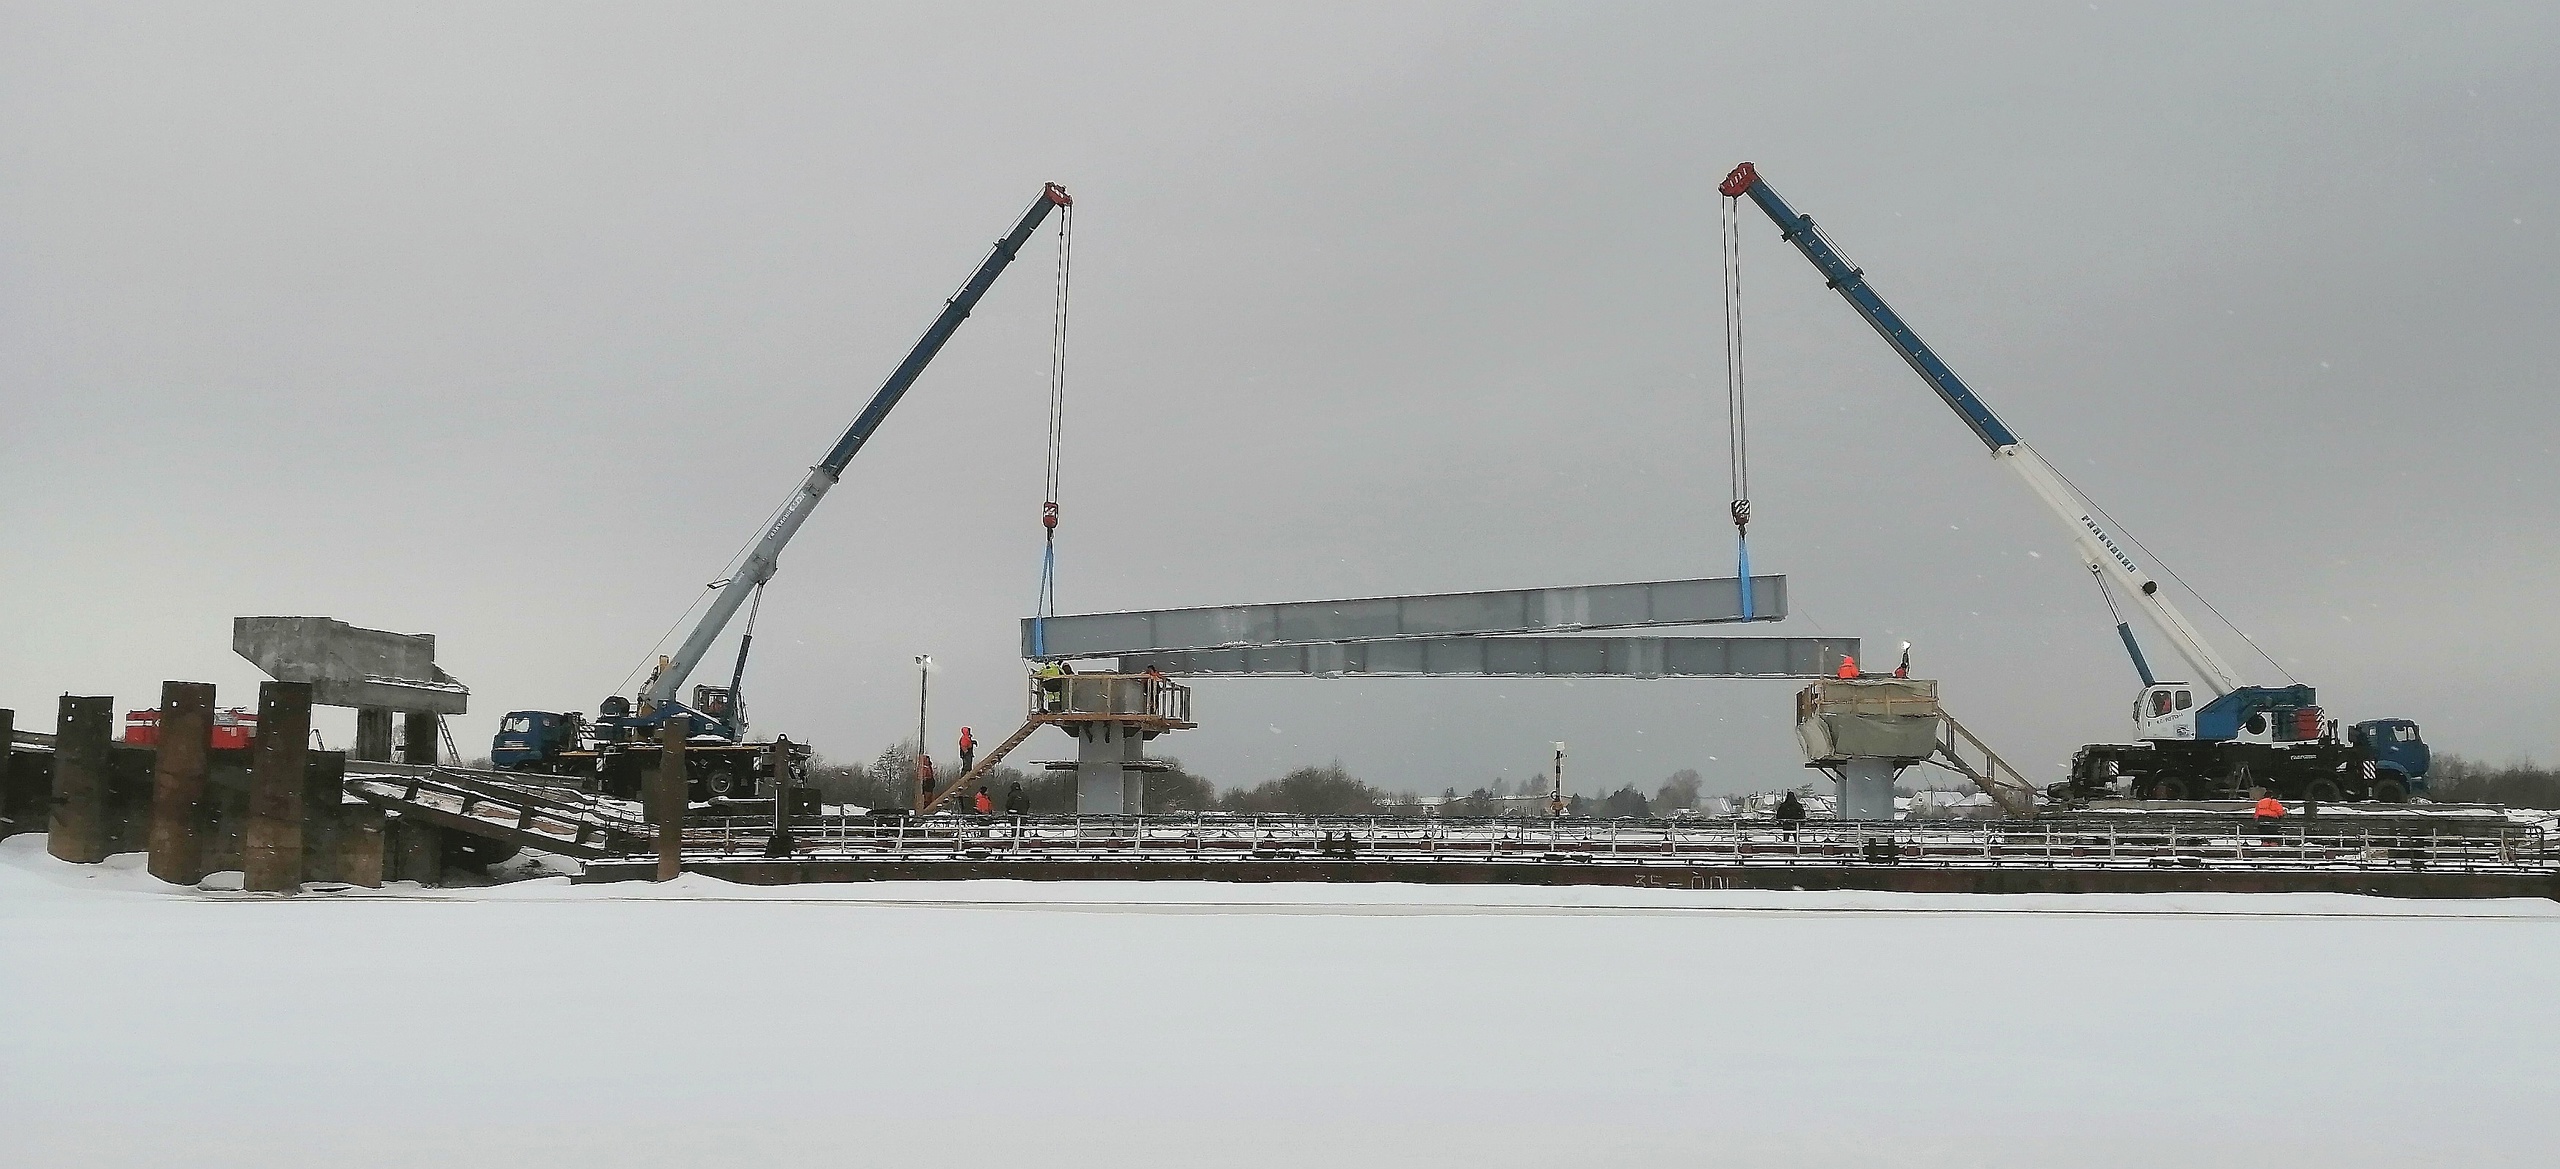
x,y
1046,604
1736,414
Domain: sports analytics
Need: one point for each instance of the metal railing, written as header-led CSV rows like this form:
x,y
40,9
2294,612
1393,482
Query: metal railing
x,y
2224,843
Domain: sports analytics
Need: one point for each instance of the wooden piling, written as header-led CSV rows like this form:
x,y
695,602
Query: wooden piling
x,y
667,798
360,853
324,786
179,813
77,830
414,851
9,824
276,788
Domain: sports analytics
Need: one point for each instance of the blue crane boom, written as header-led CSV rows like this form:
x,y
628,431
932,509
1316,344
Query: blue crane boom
x,y
760,562
2107,556
1852,285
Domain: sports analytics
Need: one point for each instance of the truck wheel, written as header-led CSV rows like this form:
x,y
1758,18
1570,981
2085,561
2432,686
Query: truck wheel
x,y
2168,789
720,784
2390,791
2322,789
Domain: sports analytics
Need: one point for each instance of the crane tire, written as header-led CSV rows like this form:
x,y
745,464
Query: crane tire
x,y
2390,791
2321,789
2168,789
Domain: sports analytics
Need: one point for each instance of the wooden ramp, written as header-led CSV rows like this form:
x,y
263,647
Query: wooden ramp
x,y
969,778
521,814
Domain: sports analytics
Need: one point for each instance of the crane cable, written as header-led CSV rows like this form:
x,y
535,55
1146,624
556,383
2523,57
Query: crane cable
x,y
1046,605
1736,421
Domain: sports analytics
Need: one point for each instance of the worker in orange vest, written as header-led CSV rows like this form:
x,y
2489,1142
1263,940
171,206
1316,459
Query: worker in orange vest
x,y
2270,816
968,751
1848,666
985,804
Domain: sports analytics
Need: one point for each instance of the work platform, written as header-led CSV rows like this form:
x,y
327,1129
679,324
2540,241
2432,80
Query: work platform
x,y
1111,716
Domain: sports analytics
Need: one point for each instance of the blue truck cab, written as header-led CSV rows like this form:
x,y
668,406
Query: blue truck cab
x,y
533,740
2396,750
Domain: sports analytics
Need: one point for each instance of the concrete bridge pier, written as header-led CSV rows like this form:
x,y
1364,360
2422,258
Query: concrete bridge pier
x,y
1865,788
1106,784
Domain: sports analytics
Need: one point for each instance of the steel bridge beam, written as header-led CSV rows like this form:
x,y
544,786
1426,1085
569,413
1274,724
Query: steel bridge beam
x,y
1515,657
1621,606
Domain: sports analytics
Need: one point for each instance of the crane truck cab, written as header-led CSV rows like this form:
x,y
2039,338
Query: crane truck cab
x,y
535,740
2398,754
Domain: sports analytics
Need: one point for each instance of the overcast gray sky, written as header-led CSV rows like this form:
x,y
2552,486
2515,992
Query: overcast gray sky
x,y
510,322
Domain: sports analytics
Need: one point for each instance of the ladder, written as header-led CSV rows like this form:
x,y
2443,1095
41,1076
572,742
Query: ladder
x,y
970,777
2012,791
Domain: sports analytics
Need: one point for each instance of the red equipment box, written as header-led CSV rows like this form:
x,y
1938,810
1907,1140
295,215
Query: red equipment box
x,y
233,730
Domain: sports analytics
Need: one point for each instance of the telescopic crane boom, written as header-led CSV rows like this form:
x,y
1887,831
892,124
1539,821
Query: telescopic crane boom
x,y
2106,555
760,562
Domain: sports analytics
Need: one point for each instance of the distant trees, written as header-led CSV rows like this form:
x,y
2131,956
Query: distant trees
x,y
1330,790
2456,780
1678,793
1309,791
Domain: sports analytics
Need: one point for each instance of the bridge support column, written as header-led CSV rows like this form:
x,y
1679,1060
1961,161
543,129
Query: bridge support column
x,y
418,738
1866,788
667,798
323,813
1105,784
77,831
277,788
179,813
373,734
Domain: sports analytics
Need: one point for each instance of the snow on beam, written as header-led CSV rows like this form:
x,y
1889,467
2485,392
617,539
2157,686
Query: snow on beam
x,y
1516,657
1708,601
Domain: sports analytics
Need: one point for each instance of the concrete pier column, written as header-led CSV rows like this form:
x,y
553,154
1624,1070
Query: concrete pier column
x,y
667,799
1866,788
373,734
77,830
1133,782
179,812
1100,778
418,738
273,863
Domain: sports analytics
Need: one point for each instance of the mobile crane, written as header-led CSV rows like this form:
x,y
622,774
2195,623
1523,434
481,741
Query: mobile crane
x,y
2214,737
618,746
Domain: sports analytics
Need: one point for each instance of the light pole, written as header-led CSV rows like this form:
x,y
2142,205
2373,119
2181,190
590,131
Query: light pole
x,y
1555,802
924,688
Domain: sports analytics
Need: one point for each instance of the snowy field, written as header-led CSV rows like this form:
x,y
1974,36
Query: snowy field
x,y
982,1023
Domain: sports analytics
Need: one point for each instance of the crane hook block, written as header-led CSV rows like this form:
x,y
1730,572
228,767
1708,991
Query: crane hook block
x,y
1058,195
1741,513
1739,183
1049,515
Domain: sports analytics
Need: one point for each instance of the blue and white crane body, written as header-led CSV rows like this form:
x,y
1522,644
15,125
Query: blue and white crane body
x,y
2215,734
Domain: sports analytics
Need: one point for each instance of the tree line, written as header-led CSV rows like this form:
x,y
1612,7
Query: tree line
x,y
2456,780
886,782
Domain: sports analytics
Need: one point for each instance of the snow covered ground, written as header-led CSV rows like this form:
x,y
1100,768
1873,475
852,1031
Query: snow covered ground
x,y
700,1023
